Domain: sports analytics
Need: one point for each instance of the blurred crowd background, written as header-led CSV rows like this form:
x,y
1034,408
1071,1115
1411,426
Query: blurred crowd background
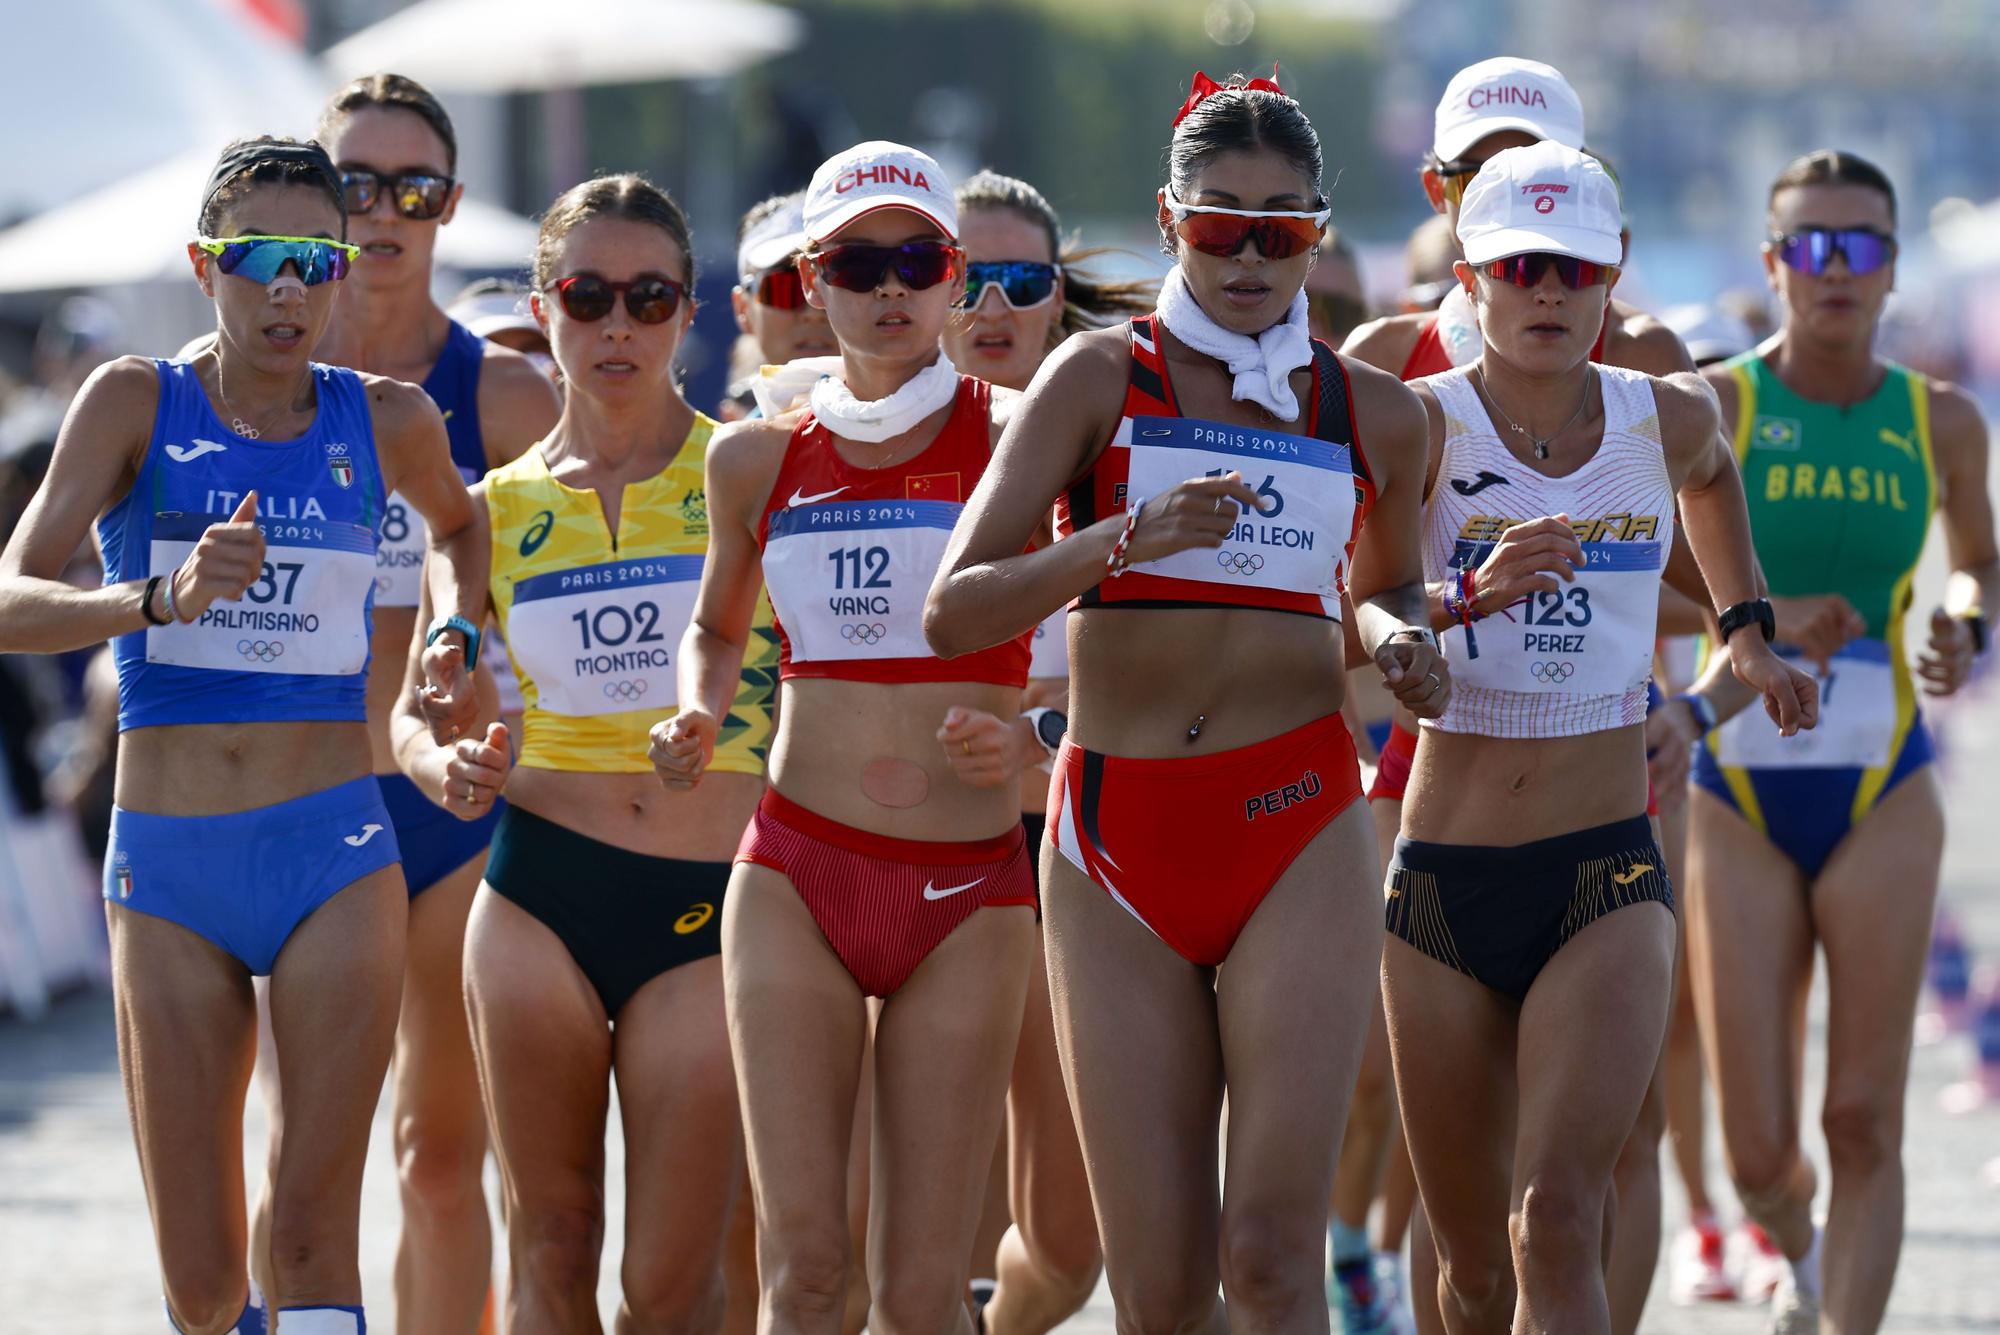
x,y
115,110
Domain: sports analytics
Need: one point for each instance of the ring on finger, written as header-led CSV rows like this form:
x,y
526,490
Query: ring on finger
x,y
1437,684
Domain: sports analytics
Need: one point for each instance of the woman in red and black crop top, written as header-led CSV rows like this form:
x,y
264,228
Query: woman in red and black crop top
x,y
863,870
1214,906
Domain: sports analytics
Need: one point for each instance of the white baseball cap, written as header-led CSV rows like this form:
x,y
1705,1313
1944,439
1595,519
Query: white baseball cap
x,y
878,175
1544,197
775,239
1506,93
494,312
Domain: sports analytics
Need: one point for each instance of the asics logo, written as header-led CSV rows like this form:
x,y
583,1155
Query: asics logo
x,y
1241,563
694,919
538,532
628,691
863,632
187,454
1485,479
1638,869
260,651
800,498
368,831
932,892
1552,671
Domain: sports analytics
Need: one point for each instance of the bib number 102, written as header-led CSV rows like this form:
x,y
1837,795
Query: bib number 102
x,y
611,625
860,567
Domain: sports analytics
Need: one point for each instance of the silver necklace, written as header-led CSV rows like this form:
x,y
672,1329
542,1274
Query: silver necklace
x,y
236,423
1542,444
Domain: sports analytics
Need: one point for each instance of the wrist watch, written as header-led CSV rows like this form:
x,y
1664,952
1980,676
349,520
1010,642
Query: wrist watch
x,y
1702,708
1049,725
463,626
1756,610
1414,635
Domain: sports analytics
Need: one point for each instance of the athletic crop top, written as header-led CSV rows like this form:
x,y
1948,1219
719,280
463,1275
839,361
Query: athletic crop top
x,y
1290,557
1576,660
849,554
453,385
294,647
594,620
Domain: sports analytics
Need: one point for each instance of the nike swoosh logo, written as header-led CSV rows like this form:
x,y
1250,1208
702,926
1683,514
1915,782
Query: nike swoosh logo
x,y
1638,869
186,454
799,498
932,892
1481,483
368,831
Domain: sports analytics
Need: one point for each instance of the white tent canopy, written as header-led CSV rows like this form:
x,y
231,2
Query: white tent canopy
x,y
524,45
137,230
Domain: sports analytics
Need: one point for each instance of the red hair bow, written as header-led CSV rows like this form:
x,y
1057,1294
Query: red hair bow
x,y
1205,88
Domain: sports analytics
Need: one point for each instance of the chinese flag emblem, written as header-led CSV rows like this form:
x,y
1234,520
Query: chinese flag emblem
x,y
934,487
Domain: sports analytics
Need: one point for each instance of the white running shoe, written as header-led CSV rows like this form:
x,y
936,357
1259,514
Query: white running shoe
x,y
1695,1271
1757,1263
1391,1273
1794,1312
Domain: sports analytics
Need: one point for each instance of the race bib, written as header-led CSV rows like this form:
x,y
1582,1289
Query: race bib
x,y
1593,636
847,579
1049,650
1296,541
306,614
1857,717
604,639
399,558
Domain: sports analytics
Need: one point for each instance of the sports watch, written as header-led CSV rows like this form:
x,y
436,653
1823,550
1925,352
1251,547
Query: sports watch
x,y
1702,708
1414,635
464,627
1742,614
1049,725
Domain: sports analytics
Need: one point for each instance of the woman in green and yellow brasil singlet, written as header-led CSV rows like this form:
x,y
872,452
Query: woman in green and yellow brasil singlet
x,y
1833,838
592,952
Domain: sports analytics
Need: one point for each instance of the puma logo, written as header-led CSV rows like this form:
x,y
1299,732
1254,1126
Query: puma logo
x,y
187,454
1638,869
1486,478
1907,444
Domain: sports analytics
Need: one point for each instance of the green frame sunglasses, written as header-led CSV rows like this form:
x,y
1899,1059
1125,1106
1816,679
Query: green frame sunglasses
x,y
261,258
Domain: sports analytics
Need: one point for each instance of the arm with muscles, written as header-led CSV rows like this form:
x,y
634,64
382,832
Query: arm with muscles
x,y
517,404
98,452
462,776
416,461
1386,585
987,588
743,463
1718,527
1959,630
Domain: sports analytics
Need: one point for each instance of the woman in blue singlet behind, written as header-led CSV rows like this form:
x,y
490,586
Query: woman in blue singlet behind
x,y
237,497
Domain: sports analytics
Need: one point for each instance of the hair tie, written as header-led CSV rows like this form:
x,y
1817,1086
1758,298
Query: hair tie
x,y
1204,88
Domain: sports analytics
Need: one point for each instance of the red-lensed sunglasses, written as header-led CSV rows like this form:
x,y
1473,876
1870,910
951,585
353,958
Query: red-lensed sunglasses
x,y
857,267
1279,234
781,289
1527,270
649,298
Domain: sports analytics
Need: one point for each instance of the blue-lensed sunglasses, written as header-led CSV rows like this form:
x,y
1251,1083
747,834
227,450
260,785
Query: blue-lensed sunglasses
x,y
1023,284
1811,249
260,258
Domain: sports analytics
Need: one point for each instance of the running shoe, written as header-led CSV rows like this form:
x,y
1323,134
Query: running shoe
x,y
1794,1312
1392,1277
1695,1272
1353,1290
1760,1267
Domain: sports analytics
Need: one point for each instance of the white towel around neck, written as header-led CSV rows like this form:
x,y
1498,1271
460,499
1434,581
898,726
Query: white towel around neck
x,y
1262,365
874,420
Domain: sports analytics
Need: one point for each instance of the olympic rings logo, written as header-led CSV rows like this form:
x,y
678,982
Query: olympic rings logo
x,y
1241,563
260,651
862,632
1552,671
627,691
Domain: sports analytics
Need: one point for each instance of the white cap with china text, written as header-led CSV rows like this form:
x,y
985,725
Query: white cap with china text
x,y
1506,93
1544,197
878,175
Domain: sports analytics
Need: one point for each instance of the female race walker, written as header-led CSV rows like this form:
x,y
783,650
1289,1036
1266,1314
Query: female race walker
x,y
1210,890
238,496
1526,1015
592,951
1834,840
1024,295
397,154
864,869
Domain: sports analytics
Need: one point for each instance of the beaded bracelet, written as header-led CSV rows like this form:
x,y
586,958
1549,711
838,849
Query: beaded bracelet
x,y
1115,564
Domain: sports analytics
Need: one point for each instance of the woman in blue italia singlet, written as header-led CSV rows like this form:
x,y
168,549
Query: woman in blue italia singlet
x,y
237,498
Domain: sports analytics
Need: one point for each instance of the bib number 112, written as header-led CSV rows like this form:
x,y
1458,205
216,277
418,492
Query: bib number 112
x,y
860,567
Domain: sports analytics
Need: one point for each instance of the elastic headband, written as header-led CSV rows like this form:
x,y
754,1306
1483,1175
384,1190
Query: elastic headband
x,y
249,154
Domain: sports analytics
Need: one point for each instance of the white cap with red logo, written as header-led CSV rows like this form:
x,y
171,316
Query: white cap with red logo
x,y
878,175
1506,93
1544,197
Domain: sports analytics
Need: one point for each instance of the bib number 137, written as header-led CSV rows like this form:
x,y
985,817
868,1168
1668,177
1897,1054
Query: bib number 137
x,y
860,567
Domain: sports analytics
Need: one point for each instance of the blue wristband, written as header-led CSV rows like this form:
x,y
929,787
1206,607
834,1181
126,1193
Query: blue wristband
x,y
464,627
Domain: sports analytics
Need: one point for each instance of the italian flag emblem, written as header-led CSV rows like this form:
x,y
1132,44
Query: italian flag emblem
x,y
343,471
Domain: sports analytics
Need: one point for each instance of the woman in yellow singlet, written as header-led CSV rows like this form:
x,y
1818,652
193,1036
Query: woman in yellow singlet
x,y
592,950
